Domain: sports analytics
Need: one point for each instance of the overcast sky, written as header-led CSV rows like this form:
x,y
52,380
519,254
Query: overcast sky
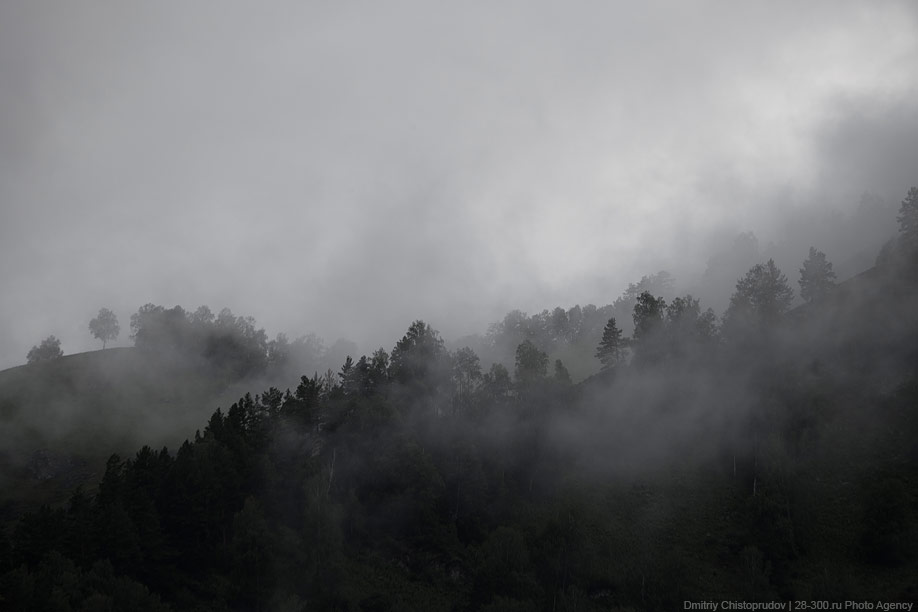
x,y
347,167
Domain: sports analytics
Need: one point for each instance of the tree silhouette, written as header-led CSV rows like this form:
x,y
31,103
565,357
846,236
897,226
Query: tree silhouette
x,y
816,276
50,348
419,357
466,373
908,219
761,297
105,326
531,363
661,284
649,318
688,327
611,348
648,315
561,374
496,382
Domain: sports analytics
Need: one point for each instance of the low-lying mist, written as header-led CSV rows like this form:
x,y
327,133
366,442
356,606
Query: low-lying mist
x,y
762,454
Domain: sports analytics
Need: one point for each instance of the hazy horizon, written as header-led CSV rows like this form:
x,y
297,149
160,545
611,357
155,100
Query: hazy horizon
x,y
346,170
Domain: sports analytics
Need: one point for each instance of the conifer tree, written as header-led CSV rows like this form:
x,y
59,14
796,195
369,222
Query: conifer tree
x,y
762,296
816,276
419,353
611,347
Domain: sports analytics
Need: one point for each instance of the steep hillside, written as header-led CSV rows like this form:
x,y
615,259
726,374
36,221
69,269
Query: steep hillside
x,y
769,459
60,420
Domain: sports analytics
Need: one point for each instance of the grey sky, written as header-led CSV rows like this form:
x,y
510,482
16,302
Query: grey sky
x,y
345,168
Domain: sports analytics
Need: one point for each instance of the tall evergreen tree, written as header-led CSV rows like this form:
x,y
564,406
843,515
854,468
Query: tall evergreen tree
x,y
816,276
611,348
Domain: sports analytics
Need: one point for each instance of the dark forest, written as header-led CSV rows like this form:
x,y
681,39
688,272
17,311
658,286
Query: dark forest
x,y
767,454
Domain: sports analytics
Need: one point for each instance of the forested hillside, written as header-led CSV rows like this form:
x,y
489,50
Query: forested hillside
x,y
766,455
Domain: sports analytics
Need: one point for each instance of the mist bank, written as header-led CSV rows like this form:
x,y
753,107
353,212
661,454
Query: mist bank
x,y
849,232
215,353
762,456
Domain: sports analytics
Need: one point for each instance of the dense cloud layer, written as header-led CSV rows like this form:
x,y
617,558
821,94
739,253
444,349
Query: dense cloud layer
x,y
346,170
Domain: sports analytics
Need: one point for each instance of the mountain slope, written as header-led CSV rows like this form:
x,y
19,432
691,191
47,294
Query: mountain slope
x,y
61,419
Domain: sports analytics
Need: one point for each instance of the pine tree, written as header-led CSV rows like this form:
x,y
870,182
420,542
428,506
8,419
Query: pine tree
x,y
611,347
419,354
760,299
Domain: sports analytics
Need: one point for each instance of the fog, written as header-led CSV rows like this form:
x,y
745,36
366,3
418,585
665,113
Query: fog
x,y
346,170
